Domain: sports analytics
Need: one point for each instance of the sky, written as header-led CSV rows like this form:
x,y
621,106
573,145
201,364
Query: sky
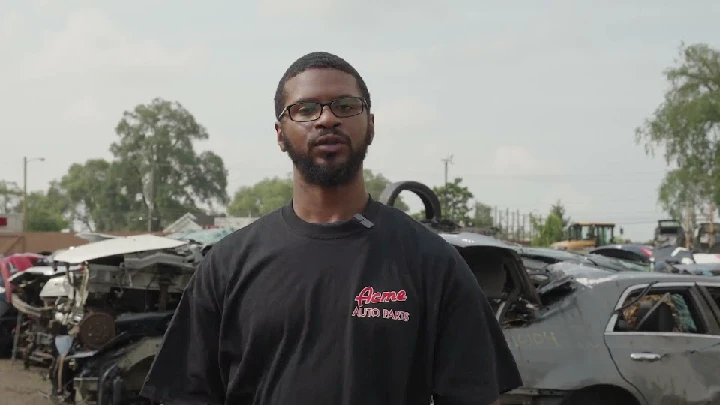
x,y
535,100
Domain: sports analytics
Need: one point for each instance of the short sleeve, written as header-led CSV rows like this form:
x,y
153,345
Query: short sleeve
x,y
186,368
473,364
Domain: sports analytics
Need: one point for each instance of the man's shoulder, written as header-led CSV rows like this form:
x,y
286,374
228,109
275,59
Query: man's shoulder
x,y
428,240
267,225
226,256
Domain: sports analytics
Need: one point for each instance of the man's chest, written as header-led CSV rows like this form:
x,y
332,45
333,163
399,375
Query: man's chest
x,y
348,292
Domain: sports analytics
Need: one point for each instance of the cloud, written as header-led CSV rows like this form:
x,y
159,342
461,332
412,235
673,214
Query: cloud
x,y
519,160
291,8
90,43
81,110
569,196
398,61
402,113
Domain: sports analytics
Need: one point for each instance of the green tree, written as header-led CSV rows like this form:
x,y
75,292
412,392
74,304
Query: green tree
x,y
548,232
558,209
45,213
686,125
47,210
270,194
376,183
455,201
94,191
482,215
10,195
261,198
155,168
677,189
159,164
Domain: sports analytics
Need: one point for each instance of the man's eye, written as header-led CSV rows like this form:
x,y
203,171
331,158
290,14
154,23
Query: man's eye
x,y
306,109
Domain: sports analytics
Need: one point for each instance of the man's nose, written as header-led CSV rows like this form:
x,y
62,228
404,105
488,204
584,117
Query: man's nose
x,y
327,118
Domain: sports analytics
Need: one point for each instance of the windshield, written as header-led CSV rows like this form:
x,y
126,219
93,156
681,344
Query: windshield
x,y
605,235
669,224
602,233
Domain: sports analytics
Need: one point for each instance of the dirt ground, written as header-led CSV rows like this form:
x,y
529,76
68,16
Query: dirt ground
x,y
22,387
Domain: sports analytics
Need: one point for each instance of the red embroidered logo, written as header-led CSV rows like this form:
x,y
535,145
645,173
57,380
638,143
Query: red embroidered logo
x,y
368,295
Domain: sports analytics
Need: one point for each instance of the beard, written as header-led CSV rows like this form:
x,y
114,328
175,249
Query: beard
x,y
329,174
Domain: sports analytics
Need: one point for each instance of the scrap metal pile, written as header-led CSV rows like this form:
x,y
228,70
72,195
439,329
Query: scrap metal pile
x,y
96,315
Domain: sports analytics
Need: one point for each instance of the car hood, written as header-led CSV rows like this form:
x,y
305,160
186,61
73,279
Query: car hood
x,y
447,229
117,246
466,240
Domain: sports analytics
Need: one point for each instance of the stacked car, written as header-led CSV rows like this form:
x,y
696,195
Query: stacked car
x,y
95,316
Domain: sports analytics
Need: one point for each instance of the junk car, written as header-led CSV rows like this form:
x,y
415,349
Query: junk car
x,y
98,316
586,335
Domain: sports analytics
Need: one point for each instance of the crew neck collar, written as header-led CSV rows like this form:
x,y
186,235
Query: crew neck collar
x,y
330,230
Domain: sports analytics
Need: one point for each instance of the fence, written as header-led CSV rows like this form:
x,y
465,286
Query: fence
x,y
514,226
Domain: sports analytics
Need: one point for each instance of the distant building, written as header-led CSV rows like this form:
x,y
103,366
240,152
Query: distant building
x,y
195,222
233,222
11,223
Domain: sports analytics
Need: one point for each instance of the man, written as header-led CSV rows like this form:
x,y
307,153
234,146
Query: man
x,y
335,299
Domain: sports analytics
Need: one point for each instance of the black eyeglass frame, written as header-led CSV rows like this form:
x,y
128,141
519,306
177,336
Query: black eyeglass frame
x,y
286,110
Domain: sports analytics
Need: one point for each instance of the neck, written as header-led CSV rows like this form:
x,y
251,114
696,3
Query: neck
x,y
316,204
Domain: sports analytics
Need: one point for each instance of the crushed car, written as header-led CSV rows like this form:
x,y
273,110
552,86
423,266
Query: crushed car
x,y
669,232
38,294
102,310
536,259
587,335
10,266
634,252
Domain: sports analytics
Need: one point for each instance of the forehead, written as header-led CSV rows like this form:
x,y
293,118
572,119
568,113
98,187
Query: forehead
x,y
320,85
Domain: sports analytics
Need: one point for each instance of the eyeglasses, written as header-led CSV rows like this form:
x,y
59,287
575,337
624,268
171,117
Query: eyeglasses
x,y
342,107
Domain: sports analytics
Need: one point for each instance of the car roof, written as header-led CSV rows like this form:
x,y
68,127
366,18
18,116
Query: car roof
x,y
468,239
598,275
549,253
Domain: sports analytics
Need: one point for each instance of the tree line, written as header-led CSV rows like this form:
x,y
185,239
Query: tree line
x,y
685,128
156,174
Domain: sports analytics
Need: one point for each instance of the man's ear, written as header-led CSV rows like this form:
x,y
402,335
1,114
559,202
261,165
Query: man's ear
x,y
278,131
371,124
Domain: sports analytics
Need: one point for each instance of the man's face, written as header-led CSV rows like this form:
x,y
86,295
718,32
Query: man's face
x,y
328,151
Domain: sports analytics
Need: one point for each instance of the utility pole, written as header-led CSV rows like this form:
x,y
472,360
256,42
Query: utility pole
x,y
24,195
151,191
25,201
711,219
447,161
688,234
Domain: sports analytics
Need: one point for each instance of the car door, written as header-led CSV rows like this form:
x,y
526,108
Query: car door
x,y
668,365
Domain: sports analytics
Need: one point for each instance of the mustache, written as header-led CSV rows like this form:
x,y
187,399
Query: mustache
x,y
313,140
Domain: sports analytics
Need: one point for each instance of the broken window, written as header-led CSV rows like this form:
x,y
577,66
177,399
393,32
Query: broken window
x,y
714,293
661,309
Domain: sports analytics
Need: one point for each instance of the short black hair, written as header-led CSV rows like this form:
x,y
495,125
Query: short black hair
x,y
318,60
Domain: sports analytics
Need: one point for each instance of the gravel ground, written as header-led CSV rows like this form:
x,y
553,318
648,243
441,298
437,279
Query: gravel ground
x,y
22,387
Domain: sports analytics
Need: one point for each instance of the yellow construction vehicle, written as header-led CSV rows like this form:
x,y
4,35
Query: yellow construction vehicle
x,y
583,235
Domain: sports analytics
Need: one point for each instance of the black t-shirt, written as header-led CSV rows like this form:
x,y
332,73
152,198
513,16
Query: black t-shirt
x,y
288,312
